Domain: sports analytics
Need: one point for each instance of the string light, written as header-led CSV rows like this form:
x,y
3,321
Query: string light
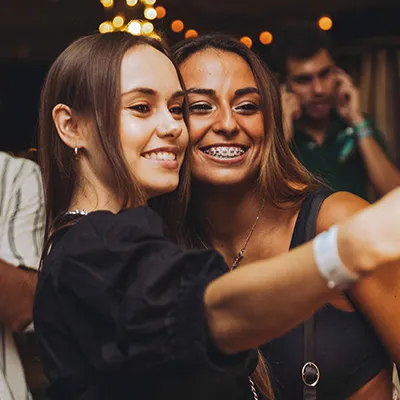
x,y
149,2
118,21
266,37
191,33
147,28
161,12
134,27
247,41
150,13
177,26
106,27
131,3
325,23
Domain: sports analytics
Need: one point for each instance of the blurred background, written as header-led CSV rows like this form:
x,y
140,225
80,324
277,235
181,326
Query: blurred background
x,y
365,35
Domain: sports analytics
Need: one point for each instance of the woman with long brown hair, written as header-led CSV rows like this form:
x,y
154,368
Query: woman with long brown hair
x,y
122,312
252,200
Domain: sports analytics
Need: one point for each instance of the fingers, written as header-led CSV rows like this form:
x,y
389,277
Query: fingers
x,y
342,77
291,105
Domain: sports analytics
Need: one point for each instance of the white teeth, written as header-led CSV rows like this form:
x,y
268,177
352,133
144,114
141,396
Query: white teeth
x,y
162,156
225,152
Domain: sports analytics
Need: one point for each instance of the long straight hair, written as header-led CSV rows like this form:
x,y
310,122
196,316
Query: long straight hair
x,y
86,76
282,179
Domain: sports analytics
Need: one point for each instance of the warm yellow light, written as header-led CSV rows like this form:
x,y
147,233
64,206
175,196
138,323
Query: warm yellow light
x,y
266,37
134,27
154,35
107,3
177,26
161,12
150,13
147,28
191,33
118,21
131,3
149,2
325,23
106,27
247,41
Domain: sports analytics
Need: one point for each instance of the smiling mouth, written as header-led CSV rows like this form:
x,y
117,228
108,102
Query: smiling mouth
x,y
160,156
224,152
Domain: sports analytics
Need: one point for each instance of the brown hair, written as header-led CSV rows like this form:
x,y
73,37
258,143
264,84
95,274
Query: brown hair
x,y
86,77
282,178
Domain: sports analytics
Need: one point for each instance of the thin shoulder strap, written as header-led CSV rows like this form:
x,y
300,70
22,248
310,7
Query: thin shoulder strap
x,y
305,230
306,224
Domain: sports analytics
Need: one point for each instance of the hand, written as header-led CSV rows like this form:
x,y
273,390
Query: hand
x,y
291,110
371,238
348,106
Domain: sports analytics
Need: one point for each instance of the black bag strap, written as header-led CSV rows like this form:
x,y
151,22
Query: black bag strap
x,y
310,373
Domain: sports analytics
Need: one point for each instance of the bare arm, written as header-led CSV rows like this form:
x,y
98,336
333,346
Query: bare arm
x,y
260,302
252,305
382,173
16,296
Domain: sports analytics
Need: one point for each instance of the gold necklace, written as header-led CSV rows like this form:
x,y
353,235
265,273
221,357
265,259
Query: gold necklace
x,y
240,254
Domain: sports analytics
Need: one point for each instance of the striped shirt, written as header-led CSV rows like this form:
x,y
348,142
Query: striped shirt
x,y
21,240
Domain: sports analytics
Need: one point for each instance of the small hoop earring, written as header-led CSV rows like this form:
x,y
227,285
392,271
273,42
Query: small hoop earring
x,y
76,152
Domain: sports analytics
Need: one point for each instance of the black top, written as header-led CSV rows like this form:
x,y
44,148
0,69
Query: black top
x,y
119,314
348,352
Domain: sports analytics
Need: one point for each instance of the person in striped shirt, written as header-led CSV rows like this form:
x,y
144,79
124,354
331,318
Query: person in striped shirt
x,y
21,240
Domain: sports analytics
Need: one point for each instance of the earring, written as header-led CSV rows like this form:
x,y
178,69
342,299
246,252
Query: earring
x,y
76,152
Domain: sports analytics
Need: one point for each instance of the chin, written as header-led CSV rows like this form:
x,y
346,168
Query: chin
x,y
159,188
230,178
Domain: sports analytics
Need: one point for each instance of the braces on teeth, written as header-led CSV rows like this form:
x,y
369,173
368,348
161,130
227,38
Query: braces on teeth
x,y
225,152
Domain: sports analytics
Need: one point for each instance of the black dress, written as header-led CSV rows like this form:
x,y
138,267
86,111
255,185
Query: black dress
x,y
119,314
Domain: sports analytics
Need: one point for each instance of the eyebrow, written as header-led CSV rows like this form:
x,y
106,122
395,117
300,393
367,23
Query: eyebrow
x,y
310,76
212,92
207,92
246,90
151,92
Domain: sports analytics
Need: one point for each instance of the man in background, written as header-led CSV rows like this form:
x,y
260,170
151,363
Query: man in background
x,y
323,120
21,241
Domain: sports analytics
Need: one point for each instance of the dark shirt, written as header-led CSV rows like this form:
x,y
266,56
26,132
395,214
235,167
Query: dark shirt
x,y
119,314
348,351
325,162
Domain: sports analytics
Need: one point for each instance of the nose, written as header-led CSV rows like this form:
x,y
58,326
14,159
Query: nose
x,y
225,122
317,86
169,127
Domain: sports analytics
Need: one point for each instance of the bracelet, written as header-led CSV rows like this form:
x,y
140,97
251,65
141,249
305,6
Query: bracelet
x,y
328,261
363,129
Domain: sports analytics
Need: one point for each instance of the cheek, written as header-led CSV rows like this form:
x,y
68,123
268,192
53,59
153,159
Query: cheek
x,y
134,136
198,127
254,127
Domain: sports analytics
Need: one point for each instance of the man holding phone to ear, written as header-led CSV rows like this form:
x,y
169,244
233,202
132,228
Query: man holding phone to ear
x,y
323,120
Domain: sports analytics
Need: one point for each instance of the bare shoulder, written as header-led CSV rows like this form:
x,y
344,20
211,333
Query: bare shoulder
x,y
337,208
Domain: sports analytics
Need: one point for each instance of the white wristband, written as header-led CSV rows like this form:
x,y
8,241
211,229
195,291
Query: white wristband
x,y
328,261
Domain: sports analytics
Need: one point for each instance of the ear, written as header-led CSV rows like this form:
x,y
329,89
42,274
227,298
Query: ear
x,y
67,127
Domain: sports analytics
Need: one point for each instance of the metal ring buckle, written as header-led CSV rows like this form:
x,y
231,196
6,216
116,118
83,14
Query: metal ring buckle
x,y
316,371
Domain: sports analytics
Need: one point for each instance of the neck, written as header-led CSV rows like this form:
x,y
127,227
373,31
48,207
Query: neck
x,y
316,128
92,194
227,214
